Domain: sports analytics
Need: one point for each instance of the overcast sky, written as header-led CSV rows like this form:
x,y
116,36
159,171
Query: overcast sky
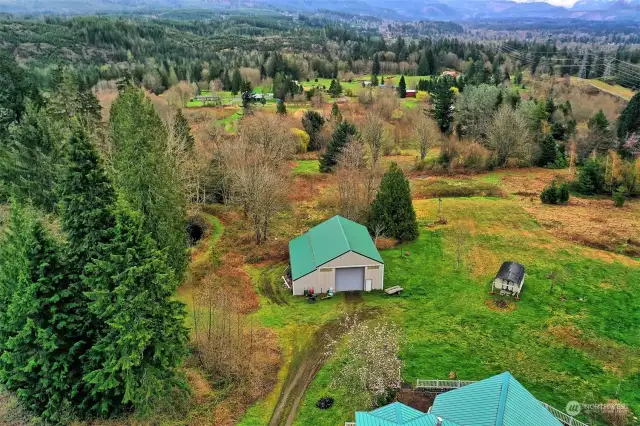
x,y
564,3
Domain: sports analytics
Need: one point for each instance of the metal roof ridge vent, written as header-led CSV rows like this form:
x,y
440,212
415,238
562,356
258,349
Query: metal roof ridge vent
x,y
313,253
503,398
338,217
398,410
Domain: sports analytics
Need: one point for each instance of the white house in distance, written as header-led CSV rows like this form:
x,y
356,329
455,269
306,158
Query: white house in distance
x,y
510,278
337,254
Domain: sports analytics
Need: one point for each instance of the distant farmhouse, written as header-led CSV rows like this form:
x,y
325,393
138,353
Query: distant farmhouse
x,y
450,73
497,401
337,254
509,279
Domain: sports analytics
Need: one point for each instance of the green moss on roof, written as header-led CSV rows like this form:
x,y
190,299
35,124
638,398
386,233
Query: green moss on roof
x,y
328,240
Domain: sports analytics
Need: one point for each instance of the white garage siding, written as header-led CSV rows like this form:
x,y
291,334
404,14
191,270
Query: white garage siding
x,y
324,277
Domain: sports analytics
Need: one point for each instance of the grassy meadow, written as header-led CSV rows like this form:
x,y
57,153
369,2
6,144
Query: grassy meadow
x,y
574,335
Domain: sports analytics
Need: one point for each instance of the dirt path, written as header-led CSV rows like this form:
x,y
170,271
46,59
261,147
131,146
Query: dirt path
x,y
308,362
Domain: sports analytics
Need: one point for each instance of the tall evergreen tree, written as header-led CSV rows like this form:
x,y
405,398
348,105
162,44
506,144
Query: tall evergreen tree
x,y
443,101
392,209
136,354
236,82
29,158
629,122
340,138
146,176
336,115
13,91
38,322
548,151
375,66
182,131
423,65
86,214
335,89
312,122
402,88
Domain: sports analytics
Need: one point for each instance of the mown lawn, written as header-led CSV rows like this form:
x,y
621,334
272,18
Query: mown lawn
x,y
580,341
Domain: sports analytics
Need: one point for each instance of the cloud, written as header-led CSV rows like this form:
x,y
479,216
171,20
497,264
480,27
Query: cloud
x,y
562,3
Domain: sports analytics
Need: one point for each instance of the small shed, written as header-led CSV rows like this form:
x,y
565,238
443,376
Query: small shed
x,y
510,278
337,254
411,93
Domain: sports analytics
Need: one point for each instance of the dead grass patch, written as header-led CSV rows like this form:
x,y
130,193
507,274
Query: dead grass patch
x,y
435,187
501,305
594,223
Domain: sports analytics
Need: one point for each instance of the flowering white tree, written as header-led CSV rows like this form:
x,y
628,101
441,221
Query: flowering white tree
x,y
370,366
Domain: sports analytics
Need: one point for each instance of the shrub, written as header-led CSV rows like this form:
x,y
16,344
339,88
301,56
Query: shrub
x,y
591,178
324,403
619,196
302,140
554,194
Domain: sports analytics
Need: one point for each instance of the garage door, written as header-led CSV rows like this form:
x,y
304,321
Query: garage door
x,y
349,279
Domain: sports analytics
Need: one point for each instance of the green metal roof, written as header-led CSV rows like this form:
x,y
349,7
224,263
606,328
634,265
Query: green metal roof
x,y
398,414
327,241
497,401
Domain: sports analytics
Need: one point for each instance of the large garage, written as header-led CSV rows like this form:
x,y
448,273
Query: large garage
x,y
337,254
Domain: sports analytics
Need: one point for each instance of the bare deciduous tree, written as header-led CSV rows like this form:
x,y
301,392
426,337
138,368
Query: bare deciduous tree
x,y
508,135
426,132
179,94
372,132
351,175
254,169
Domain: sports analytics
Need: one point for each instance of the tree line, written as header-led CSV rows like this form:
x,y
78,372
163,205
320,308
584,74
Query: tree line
x,y
92,252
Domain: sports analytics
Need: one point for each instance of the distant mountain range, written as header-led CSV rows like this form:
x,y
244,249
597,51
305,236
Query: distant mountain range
x,y
454,10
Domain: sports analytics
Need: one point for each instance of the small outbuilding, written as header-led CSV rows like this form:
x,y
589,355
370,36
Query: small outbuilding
x,y
411,93
337,254
510,278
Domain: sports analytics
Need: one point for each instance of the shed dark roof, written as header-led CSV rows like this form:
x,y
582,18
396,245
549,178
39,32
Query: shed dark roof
x,y
511,271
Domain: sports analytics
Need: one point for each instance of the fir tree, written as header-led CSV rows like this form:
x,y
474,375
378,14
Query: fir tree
x,y
374,80
38,320
402,88
336,116
236,82
335,89
423,65
86,215
146,175
375,66
29,158
340,138
443,101
182,131
392,209
548,151
136,354
281,108
312,122
629,122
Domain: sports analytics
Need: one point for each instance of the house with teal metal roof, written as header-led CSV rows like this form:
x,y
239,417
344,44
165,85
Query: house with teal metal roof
x,y
496,401
399,414
337,254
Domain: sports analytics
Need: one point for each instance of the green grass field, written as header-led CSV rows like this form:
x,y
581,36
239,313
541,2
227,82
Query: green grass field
x,y
580,341
306,167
